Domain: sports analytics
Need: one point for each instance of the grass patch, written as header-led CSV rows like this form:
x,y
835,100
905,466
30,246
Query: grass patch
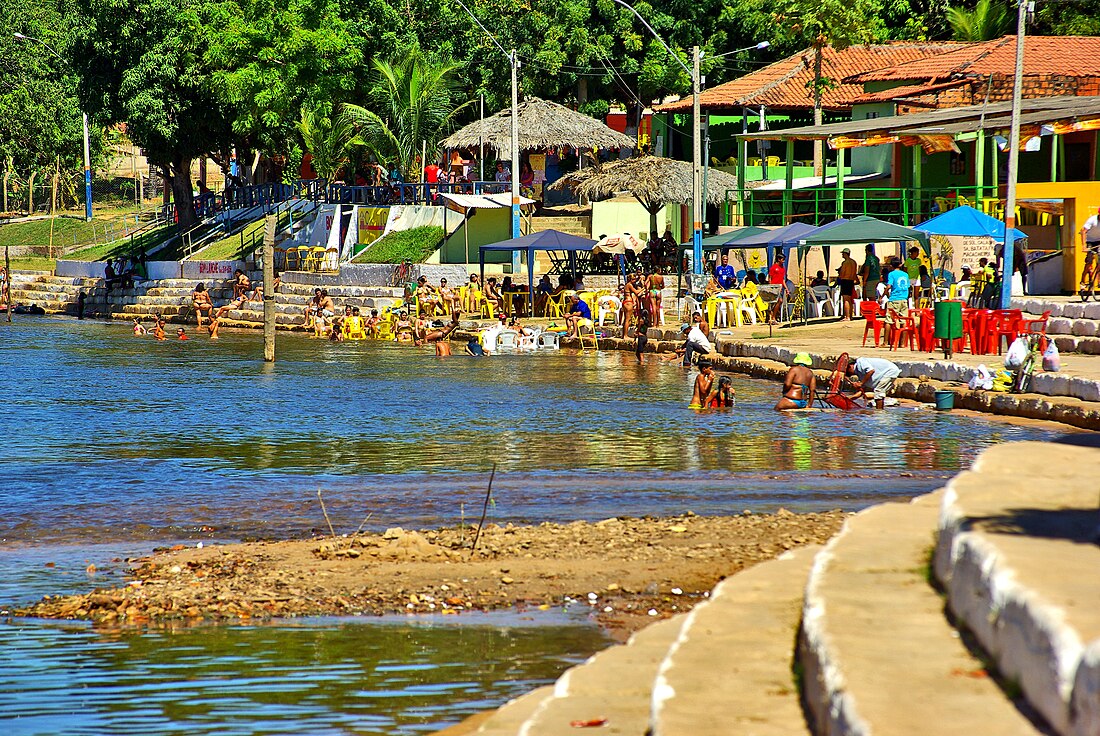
x,y
125,247
33,263
415,245
229,248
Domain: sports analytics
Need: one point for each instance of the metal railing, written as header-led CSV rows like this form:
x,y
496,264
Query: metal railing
x,y
902,205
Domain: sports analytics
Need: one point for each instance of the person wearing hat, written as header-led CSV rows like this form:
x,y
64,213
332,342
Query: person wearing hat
x,y
847,275
799,385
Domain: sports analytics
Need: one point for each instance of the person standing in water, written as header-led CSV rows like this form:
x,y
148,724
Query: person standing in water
x,y
799,385
704,382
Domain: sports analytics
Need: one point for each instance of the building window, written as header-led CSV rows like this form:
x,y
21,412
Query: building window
x,y
870,115
958,164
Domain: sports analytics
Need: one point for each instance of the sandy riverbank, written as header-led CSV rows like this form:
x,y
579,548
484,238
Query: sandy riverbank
x,y
637,569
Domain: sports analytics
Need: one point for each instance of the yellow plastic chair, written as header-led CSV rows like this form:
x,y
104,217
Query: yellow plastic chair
x,y
293,259
592,334
555,304
774,161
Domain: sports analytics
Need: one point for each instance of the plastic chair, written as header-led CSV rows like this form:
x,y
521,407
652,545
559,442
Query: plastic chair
x,y
716,312
548,340
870,312
908,330
330,261
821,299
608,305
1005,323
293,259
1034,326
508,340
555,304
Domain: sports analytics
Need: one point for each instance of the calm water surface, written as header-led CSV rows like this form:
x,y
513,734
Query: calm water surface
x,y
115,444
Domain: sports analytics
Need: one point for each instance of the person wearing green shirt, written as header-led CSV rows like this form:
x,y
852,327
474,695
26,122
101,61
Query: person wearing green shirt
x,y
912,268
870,273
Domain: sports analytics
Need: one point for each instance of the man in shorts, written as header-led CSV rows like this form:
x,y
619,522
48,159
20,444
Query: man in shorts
x,y
897,305
847,275
876,375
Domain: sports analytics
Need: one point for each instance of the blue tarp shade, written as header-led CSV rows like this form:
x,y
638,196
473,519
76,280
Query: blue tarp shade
x,y
967,221
772,239
545,240
795,239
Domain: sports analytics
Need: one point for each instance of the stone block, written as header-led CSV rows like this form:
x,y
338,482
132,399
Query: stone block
x,y
1084,389
770,352
1092,310
1089,347
1050,384
1085,327
1073,311
940,371
785,355
1059,326
1066,344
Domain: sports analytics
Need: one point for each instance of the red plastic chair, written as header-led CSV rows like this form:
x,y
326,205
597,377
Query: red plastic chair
x,y
926,331
870,312
1034,326
979,331
907,330
1006,324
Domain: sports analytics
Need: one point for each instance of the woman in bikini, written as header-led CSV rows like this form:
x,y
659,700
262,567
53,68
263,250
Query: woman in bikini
x,y
799,385
404,328
654,283
721,397
448,298
632,299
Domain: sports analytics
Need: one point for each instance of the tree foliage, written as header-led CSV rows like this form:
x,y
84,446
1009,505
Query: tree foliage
x,y
329,139
414,102
987,20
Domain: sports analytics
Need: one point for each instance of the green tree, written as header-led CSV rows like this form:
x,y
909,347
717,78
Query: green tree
x,y
414,100
329,140
142,64
823,23
1076,18
989,19
40,117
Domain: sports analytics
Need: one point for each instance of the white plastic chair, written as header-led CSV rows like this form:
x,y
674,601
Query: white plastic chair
x,y
688,307
748,311
608,305
508,340
548,340
822,300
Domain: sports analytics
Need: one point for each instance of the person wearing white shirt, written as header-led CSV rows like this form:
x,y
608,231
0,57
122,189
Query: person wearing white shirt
x,y
696,342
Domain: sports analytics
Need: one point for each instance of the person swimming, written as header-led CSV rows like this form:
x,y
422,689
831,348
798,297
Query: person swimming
x,y
799,385
722,396
139,328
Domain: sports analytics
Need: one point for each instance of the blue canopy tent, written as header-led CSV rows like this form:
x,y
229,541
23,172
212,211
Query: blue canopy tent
x,y
967,221
796,238
771,239
545,240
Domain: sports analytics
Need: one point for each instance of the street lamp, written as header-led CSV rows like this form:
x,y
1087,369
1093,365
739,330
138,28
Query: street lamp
x,y
513,62
696,137
87,148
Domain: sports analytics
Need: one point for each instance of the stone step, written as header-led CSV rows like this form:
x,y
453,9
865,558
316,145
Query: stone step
x,y
509,718
730,670
1071,310
878,654
1018,559
1070,326
615,684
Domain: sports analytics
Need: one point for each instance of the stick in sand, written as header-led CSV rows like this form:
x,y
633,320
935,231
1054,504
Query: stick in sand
x,y
485,508
325,512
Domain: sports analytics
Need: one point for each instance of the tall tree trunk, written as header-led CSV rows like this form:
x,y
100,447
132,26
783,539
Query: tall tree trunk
x,y
819,157
582,91
30,193
653,234
634,113
182,194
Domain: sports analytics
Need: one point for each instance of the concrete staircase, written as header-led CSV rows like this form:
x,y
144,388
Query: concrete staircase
x,y
580,225
859,637
1075,326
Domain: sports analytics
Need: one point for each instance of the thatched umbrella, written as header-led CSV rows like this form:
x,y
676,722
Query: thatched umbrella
x,y
652,180
542,125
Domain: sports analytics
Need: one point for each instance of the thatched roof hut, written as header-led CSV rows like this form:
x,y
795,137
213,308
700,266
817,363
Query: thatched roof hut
x,y
542,125
652,180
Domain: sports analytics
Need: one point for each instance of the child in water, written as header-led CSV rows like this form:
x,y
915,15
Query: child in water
x,y
181,334
704,382
721,397
158,331
139,328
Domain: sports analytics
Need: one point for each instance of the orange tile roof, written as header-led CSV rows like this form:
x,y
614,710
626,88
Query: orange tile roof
x,y
785,84
1068,56
908,90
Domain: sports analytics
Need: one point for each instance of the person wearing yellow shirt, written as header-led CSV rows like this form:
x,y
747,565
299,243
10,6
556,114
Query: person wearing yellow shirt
x,y
354,327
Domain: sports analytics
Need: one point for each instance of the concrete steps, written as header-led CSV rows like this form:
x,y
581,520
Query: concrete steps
x,y
879,655
1018,559
877,652
730,670
615,684
574,225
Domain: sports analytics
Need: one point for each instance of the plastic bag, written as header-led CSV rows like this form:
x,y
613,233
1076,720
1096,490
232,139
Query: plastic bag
x,y
1002,381
981,378
1052,360
1017,353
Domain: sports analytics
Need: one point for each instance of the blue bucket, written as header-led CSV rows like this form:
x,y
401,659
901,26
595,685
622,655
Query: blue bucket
x,y
945,400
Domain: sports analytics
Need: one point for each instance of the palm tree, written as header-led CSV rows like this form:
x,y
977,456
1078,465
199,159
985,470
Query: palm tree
x,y
988,20
329,140
413,102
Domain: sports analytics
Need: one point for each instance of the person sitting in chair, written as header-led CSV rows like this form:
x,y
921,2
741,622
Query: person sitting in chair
x,y
578,314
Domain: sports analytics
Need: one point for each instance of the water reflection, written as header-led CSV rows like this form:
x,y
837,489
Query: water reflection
x,y
317,678
120,438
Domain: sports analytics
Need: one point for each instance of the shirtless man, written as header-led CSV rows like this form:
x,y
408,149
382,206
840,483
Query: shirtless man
x,y
655,284
201,302
241,283
703,384
440,337
326,310
313,308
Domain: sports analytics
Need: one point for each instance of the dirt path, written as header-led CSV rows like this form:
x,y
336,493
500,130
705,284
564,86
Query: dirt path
x,y
629,571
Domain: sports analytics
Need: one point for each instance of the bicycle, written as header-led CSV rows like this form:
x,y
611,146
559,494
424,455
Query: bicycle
x,y
1090,275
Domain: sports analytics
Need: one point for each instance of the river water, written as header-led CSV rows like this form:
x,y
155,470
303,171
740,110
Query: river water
x,y
115,444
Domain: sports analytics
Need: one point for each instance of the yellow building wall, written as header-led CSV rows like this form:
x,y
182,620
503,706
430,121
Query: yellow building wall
x,y
1082,199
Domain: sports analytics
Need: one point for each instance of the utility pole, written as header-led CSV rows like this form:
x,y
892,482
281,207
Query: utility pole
x,y
1013,159
7,279
514,59
481,142
696,168
271,224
